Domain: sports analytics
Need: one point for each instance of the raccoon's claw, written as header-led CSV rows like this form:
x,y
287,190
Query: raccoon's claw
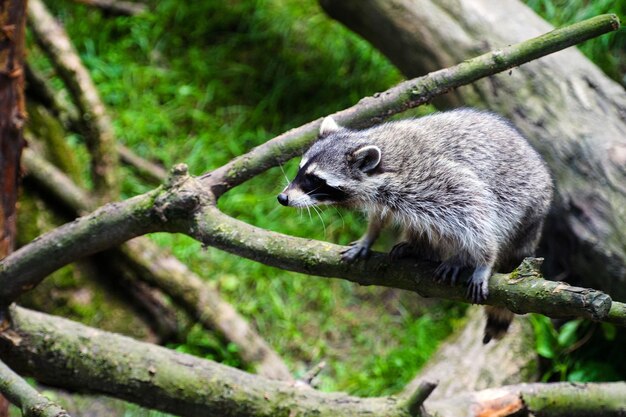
x,y
401,250
356,251
478,286
448,272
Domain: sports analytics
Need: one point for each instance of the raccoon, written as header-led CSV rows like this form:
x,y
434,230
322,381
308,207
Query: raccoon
x,y
464,186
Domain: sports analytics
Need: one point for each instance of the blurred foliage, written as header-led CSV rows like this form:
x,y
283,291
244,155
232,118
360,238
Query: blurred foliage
x,y
202,82
580,351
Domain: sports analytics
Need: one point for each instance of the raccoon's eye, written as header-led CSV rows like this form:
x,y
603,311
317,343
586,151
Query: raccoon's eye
x,y
312,183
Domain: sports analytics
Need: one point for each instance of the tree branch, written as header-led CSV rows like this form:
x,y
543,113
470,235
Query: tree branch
x,y
408,94
31,403
562,399
94,118
415,401
166,272
67,354
186,206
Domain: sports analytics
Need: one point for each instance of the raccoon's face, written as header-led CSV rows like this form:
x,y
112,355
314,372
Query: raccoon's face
x,y
332,170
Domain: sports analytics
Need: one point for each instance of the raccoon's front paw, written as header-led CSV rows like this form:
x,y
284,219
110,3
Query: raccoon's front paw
x,y
478,285
357,250
448,271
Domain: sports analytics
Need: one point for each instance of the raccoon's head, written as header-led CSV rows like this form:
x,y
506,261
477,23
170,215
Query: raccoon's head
x,y
333,170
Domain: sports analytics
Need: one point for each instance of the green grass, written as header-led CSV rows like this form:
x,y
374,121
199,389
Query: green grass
x,y
202,82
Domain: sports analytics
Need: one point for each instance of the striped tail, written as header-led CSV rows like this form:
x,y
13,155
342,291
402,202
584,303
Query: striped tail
x,y
498,321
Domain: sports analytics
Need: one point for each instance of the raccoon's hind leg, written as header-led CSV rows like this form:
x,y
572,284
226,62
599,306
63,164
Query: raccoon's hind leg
x,y
522,246
481,259
361,248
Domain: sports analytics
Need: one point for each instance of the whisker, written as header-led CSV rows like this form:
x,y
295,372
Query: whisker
x,y
309,210
284,174
343,223
317,210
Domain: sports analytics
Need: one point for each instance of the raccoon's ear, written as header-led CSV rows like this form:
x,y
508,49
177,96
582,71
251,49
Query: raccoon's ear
x,y
329,125
367,158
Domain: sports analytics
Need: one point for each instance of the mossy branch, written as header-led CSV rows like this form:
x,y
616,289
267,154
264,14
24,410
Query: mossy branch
x,y
20,393
162,270
67,354
184,206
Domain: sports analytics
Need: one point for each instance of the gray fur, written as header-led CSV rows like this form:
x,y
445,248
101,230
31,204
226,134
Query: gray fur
x,y
465,187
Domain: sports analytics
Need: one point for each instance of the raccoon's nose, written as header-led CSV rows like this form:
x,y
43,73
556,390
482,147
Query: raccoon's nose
x,y
283,199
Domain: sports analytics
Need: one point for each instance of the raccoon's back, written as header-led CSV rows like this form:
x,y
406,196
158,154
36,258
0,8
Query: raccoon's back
x,y
478,141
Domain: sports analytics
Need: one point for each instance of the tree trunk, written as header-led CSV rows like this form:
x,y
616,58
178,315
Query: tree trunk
x,y
476,366
12,117
570,111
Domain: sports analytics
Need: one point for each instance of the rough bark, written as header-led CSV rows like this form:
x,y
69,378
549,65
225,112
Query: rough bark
x,y
571,112
12,118
117,7
162,270
152,376
12,114
95,122
30,402
476,366
63,353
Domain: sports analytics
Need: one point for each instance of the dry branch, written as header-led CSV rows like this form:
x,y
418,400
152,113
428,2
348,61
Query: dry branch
x,y
94,119
40,90
158,268
20,393
540,400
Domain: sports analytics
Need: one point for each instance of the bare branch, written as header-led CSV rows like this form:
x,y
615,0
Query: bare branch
x,y
31,403
405,95
166,272
415,402
95,121
563,399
